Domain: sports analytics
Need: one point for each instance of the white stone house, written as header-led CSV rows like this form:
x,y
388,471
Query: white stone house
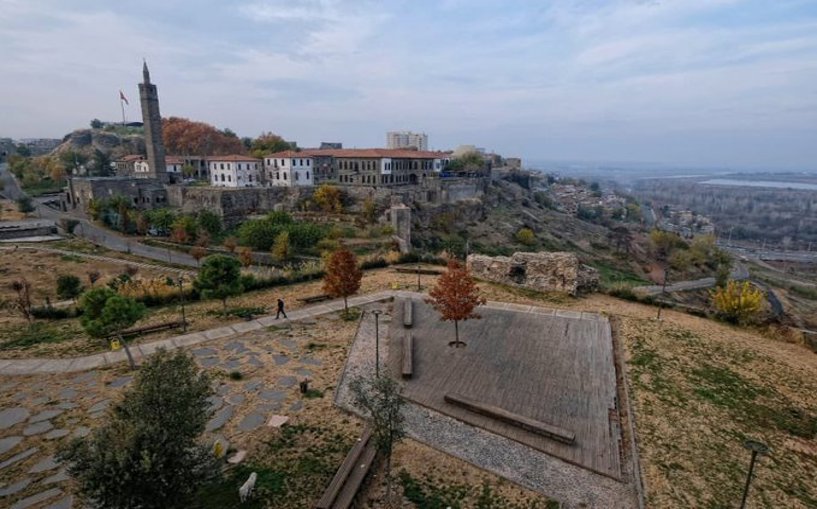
x,y
235,171
289,169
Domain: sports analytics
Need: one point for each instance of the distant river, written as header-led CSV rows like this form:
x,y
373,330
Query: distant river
x,y
762,183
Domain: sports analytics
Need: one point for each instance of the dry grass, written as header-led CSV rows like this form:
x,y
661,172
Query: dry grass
x,y
9,212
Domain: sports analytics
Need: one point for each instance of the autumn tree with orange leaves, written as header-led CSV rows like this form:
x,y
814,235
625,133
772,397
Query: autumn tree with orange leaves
x,y
343,275
188,137
455,296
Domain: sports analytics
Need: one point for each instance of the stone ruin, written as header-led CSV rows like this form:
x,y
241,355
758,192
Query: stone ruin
x,y
544,272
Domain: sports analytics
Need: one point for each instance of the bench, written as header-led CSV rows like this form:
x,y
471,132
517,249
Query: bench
x,y
520,421
408,355
313,298
407,318
147,329
344,486
425,272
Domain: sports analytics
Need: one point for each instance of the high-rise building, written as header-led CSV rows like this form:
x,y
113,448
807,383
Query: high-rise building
x,y
152,120
406,139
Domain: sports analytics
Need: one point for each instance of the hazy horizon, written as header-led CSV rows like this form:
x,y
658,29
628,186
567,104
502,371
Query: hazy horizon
x,y
696,83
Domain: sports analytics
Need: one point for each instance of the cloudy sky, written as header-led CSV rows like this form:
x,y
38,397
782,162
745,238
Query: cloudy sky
x,y
689,82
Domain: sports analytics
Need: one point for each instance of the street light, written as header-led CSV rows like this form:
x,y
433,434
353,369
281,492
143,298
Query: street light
x,y
376,314
418,277
756,448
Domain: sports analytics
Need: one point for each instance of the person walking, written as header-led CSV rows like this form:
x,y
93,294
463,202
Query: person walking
x,y
280,309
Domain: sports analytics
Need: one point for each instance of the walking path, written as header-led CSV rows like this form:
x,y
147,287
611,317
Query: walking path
x,y
45,365
100,258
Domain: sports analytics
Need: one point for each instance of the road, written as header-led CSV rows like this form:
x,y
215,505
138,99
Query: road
x,y
739,272
767,254
97,235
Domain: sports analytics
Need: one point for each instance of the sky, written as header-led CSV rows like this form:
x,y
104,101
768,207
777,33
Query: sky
x,y
716,83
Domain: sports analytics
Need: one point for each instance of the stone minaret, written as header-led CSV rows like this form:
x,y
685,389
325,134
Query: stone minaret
x,y
153,127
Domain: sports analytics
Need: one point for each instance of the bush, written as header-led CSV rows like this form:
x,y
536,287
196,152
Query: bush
x,y
738,302
623,291
526,237
374,263
52,313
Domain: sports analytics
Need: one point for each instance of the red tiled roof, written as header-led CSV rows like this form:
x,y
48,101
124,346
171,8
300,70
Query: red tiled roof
x,y
233,158
362,153
173,160
129,158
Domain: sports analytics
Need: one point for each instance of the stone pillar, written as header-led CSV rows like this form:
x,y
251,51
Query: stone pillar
x,y
401,222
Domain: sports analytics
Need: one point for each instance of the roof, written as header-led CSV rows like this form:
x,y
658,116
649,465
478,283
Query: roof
x,y
234,158
130,158
173,160
363,153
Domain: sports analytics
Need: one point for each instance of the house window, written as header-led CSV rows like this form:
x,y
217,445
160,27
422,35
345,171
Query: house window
x,y
308,162
229,178
222,177
222,166
296,176
307,173
285,176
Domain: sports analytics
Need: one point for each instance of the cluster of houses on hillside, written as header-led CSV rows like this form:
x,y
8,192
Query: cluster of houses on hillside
x,y
304,168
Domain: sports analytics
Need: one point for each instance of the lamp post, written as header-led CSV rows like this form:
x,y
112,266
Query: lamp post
x,y
376,313
418,277
757,448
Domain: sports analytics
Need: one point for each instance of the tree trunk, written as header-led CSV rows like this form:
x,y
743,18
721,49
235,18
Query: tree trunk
x,y
456,334
127,352
388,478
224,306
345,306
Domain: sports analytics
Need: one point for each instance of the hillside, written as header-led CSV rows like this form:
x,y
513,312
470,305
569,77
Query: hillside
x,y
115,143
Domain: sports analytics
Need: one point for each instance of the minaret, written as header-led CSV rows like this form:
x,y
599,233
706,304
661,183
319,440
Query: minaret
x,y
152,120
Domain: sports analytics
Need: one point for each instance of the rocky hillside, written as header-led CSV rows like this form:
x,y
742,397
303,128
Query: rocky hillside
x,y
115,143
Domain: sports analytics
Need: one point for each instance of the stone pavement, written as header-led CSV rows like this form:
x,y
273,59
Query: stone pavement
x,y
255,378
44,365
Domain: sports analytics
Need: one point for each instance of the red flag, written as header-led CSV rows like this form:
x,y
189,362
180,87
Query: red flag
x,y
123,98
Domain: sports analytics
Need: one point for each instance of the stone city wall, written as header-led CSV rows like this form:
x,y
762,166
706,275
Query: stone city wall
x,y
545,272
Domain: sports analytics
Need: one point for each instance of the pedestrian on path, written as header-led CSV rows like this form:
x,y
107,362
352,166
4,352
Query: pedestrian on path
x,y
280,309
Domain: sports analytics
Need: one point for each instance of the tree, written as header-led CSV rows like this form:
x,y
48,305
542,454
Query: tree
x,y
93,276
25,205
343,276
280,250
161,219
526,236
148,453
230,243
210,221
106,313
188,171
187,137
142,224
329,198
380,398
101,163
266,144
369,210
737,302
96,124
69,286
455,296
244,256
219,278
198,252
22,299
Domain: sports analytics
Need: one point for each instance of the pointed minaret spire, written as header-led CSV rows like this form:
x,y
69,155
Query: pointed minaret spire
x,y
145,72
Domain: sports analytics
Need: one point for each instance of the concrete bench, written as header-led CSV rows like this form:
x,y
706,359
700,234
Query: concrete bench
x,y
407,313
408,355
313,298
344,486
520,421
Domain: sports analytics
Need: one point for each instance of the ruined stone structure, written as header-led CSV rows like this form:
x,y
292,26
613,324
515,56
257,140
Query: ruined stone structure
x,y
544,272
144,194
400,217
152,119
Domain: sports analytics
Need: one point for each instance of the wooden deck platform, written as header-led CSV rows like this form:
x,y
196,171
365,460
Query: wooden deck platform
x,y
549,368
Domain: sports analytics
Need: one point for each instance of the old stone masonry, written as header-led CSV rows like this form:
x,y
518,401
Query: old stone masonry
x,y
545,272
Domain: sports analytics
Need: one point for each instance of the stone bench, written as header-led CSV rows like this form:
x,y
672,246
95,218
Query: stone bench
x,y
313,298
520,421
407,314
347,481
408,355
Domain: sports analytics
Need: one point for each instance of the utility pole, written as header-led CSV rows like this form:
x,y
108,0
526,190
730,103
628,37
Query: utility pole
x,y
757,448
376,313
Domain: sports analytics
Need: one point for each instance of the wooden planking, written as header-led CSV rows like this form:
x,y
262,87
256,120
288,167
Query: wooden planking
x,y
526,423
346,468
352,485
549,368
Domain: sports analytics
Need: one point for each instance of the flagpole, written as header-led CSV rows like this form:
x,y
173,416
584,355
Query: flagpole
x,y
122,105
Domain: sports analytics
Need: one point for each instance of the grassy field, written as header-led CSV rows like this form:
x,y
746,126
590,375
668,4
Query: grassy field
x,y
699,389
